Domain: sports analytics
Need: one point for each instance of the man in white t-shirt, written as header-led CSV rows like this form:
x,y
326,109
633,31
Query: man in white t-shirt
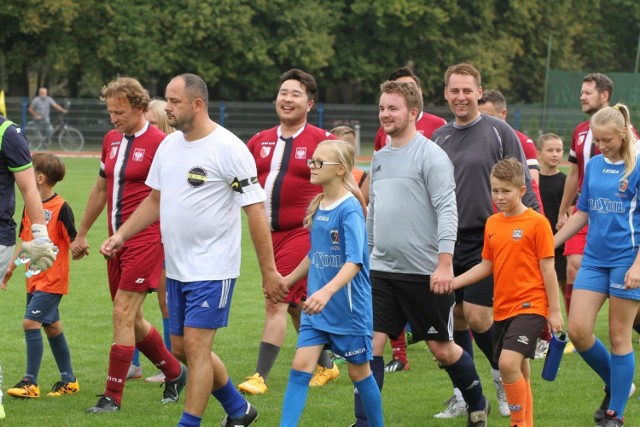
x,y
205,175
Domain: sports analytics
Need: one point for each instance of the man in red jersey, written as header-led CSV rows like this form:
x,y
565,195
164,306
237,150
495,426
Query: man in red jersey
x,y
425,123
281,155
127,153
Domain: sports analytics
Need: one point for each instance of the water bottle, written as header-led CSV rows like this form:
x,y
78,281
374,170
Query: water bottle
x,y
554,356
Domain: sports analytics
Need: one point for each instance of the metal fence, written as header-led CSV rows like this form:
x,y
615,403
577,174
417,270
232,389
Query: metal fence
x,y
246,118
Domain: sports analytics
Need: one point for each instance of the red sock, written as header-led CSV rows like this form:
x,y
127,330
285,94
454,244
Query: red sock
x,y
154,349
546,333
567,296
517,398
399,347
120,358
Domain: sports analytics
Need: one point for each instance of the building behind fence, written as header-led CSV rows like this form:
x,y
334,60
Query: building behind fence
x,y
246,118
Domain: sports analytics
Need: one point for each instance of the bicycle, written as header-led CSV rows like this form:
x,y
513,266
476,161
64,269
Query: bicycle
x,y
69,138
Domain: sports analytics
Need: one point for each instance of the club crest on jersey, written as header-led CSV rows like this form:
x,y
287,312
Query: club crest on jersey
x,y
517,234
138,155
47,216
196,176
335,237
301,153
265,151
623,184
114,151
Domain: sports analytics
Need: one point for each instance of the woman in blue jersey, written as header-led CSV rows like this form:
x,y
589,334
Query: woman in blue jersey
x,y
338,311
611,266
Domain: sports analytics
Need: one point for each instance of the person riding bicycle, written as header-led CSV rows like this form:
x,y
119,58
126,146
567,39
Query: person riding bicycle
x,y
40,108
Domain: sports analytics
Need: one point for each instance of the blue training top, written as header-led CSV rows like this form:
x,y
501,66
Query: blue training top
x,y
338,235
614,218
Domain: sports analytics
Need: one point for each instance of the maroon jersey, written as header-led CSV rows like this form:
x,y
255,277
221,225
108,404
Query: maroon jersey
x,y
284,174
125,165
582,149
531,154
426,124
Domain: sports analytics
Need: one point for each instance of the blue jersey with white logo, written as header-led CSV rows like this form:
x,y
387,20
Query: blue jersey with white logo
x,y
338,235
614,218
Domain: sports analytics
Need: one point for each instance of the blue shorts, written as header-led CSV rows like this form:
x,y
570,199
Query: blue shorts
x,y
203,304
605,280
356,349
43,307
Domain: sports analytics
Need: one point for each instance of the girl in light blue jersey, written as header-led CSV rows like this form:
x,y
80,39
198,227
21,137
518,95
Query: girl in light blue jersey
x,y
338,311
611,266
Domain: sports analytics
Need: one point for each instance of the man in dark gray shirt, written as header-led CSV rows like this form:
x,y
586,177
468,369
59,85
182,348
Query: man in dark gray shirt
x,y
474,143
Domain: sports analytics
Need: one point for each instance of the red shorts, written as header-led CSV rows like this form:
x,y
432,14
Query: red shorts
x,y
289,248
576,243
136,267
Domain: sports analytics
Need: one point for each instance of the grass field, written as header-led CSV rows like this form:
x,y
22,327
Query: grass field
x,y
409,398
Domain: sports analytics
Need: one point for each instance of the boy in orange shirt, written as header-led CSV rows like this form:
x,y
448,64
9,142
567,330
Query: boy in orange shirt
x,y
519,251
45,289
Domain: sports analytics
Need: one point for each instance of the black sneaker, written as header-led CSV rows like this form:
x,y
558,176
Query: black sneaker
x,y
479,418
611,419
173,388
105,404
598,416
396,365
246,420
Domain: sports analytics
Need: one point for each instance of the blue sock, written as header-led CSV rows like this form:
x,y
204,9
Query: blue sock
x,y
599,359
294,398
371,400
463,339
465,378
622,369
166,332
61,353
189,420
34,353
377,369
231,400
136,358
484,341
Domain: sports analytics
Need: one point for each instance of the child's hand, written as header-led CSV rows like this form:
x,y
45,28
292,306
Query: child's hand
x,y
7,277
316,302
556,324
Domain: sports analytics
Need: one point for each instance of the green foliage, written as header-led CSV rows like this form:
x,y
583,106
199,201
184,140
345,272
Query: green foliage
x,y
240,46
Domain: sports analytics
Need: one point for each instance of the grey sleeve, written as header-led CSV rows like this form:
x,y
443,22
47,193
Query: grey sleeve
x,y
441,186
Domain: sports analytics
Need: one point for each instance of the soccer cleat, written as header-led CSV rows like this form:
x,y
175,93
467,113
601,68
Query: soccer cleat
x,y
135,372
157,378
541,349
479,418
611,419
455,408
503,405
246,420
61,388
105,404
173,388
570,348
324,376
253,385
25,389
396,365
599,415
339,360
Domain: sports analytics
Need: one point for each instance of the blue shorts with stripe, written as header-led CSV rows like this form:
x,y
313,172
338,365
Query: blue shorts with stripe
x,y
202,304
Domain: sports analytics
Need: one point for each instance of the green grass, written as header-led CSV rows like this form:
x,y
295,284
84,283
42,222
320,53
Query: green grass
x,y
409,398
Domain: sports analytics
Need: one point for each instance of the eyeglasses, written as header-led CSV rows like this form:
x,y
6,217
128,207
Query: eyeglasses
x,y
317,164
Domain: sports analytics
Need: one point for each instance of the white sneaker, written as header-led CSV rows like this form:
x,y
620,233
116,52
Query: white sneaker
x,y
135,372
541,349
157,378
503,406
455,408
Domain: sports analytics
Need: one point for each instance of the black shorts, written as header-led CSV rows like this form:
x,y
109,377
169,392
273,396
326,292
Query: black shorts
x,y
519,333
406,298
467,253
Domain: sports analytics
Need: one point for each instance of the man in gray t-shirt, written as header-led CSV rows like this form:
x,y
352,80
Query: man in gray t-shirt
x,y
40,108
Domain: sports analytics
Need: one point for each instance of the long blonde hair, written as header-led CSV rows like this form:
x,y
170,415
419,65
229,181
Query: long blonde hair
x,y
618,119
345,154
157,106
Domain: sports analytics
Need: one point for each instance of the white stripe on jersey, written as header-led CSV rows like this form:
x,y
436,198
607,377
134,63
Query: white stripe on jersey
x,y
632,209
274,169
224,294
586,150
117,167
